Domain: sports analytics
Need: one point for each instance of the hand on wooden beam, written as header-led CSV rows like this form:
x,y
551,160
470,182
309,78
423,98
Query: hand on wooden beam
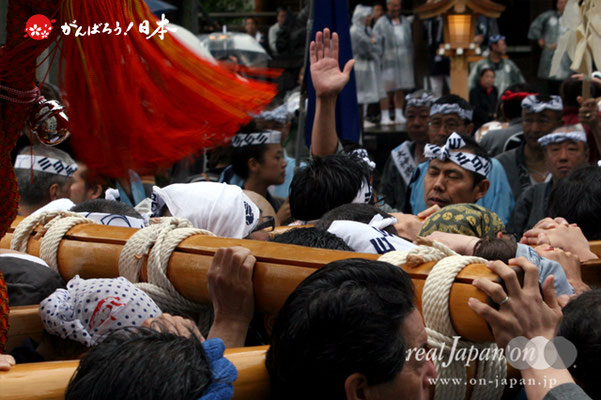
x,y
232,294
523,311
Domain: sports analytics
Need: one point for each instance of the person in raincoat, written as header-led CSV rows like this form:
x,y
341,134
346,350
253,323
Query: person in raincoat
x,y
506,71
397,61
546,29
366,52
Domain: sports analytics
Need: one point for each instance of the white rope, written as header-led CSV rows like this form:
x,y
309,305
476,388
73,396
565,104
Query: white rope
x,y
23,231
55,225
158,241
56,230
435,308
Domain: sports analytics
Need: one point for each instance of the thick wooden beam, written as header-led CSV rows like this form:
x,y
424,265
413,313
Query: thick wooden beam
x,y
49,380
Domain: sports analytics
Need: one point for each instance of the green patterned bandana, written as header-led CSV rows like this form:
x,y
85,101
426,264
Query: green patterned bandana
x,y
466,219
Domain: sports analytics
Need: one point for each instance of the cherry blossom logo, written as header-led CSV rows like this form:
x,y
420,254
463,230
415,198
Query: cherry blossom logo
x,y
38,27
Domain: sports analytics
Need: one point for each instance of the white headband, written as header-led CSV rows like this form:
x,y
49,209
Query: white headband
x,y
425,100
253,139
558,137
364,195
114,219
278,114
364,156
453,108
471,162
532,104
44,164
364,238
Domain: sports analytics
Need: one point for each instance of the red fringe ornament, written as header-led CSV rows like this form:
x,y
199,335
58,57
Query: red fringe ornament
x,y
17,71
138,103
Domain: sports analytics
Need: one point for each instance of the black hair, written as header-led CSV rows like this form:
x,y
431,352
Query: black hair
x,y
454,99
311,237
142,364
485,69
106,206
282,9
513,108
326,183
34,192
492,248
577,198
33,185
353,212
581,325
343,319
571,88
241,155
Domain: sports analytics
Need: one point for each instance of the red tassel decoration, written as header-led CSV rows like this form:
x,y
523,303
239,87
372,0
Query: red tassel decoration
x,y
17,71
138,103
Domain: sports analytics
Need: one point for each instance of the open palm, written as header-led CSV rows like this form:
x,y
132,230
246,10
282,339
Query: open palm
x,y
328,79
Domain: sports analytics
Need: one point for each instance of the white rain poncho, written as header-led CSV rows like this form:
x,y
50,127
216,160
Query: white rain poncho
x,y
366,52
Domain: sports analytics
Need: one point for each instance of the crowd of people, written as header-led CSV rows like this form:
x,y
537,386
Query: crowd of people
x,y
525,195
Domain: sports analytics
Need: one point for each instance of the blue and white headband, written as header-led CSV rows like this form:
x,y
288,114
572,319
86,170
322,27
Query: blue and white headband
x,y
471,162
257,138
425,100
558,137
532,104
364,156
45,164
223,372
453,108
495,39
115,219
278,114
364,195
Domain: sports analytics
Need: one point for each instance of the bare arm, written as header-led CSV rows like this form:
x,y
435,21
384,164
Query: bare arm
x,y
328,82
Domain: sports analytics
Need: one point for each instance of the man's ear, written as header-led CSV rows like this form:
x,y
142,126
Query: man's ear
x,y
54,192
252,164
95,192
356,387
481,188
469,129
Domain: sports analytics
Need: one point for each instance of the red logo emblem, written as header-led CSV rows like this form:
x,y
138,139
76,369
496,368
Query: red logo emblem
x,y
38,27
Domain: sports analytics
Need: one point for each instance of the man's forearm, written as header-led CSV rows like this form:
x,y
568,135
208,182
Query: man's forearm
x,y
324,139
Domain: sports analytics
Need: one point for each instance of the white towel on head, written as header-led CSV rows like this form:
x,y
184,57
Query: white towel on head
x,y
217,207
90,308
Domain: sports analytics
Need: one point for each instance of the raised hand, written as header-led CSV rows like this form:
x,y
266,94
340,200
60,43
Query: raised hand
x,y
328,79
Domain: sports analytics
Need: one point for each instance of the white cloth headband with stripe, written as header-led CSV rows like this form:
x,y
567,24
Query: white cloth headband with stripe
x,y
45,164
364,194
257,138
425,100
532,104
115,219
454,108
558,137
471,162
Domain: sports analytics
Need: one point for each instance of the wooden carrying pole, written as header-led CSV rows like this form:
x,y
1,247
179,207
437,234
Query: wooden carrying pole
x,y
49,380
92,251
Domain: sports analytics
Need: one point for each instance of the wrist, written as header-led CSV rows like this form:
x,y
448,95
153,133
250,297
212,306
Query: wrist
x,y
326,99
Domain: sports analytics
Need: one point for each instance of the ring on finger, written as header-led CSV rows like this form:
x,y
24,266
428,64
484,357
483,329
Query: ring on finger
x,y
587,115
505,300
